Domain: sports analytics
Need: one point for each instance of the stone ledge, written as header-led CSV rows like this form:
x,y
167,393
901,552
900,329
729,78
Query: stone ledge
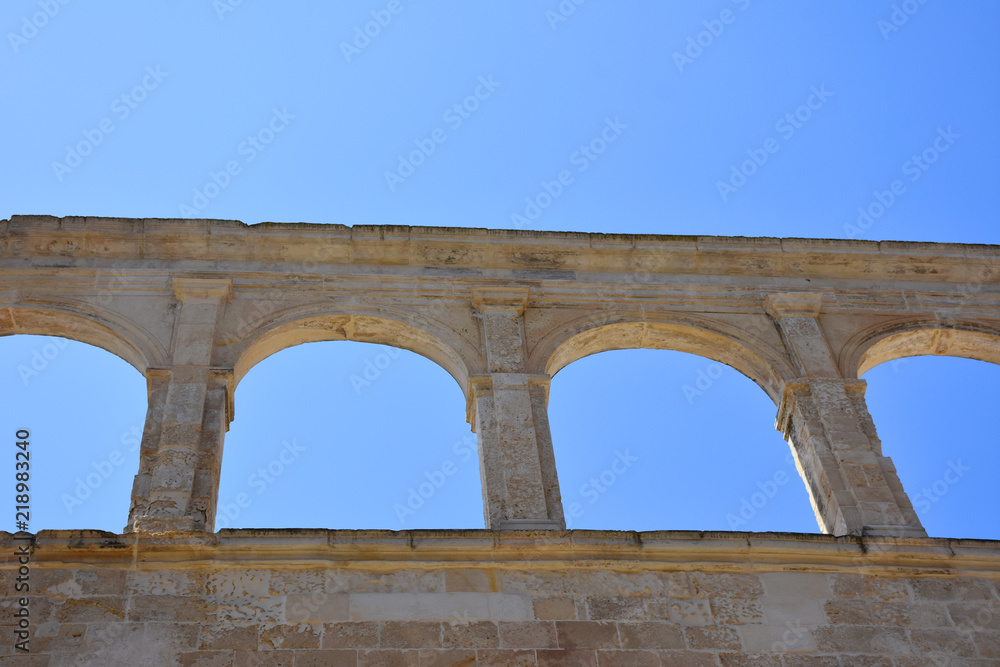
x,y
655,550
72,240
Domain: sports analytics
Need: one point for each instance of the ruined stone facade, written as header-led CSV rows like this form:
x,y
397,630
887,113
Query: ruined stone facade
x,y
194,304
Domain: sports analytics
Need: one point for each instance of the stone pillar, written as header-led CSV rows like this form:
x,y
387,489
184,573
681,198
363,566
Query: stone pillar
x,y
508,408
190,408
823,416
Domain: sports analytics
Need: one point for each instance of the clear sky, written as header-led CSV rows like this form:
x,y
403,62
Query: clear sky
x,y
871,120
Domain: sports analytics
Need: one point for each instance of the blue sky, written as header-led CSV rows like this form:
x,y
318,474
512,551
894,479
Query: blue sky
x,y
872,120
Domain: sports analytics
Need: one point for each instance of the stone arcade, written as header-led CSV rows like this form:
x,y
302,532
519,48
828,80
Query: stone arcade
x,y
194,304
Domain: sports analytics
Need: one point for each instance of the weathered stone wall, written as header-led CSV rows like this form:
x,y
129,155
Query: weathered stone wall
x,y
304,598
194,304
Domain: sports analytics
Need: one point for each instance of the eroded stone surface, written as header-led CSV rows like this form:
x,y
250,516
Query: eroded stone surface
x,y
669,599
193,304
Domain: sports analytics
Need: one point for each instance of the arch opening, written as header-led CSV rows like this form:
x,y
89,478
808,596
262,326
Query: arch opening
x,y
295,329
84,409
931,413
729,348
342,434
117,337
923,339
698,452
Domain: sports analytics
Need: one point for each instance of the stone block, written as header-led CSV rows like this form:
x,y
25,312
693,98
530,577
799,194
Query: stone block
x,y
470,581
687,659
326,658
104,608
447,657
941,642
975,615
737,611
810,661
712,637
169,608
566,658
651,635
861,639
263,658
869,587
528,634
783,638
921,615
628,659
388,658
316,608
749,660
555,608
616,608
205,659
410,634
946,589
514,658
848,612
440,606
362,634
290,636
236,638
692,611
587,634
469,635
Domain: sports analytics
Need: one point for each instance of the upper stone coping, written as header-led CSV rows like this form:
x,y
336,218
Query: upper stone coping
x,y
402,232
720,550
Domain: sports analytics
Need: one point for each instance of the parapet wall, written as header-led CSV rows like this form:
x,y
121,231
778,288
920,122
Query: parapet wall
x,y
194,304
572,598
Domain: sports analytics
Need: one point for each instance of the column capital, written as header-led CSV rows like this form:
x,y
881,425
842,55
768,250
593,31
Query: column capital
x,y
157,378
484,383
508,298
798,388
793,304
224,378
202,290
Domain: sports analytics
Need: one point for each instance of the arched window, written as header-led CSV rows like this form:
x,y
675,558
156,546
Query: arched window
x,y
84,409
664,440
937,419
341,434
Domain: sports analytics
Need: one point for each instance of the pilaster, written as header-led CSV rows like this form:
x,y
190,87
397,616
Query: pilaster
x,y
190,408
854,489
509,410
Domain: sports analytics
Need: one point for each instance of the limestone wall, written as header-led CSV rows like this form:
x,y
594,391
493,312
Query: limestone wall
x,y
285,597
194,304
